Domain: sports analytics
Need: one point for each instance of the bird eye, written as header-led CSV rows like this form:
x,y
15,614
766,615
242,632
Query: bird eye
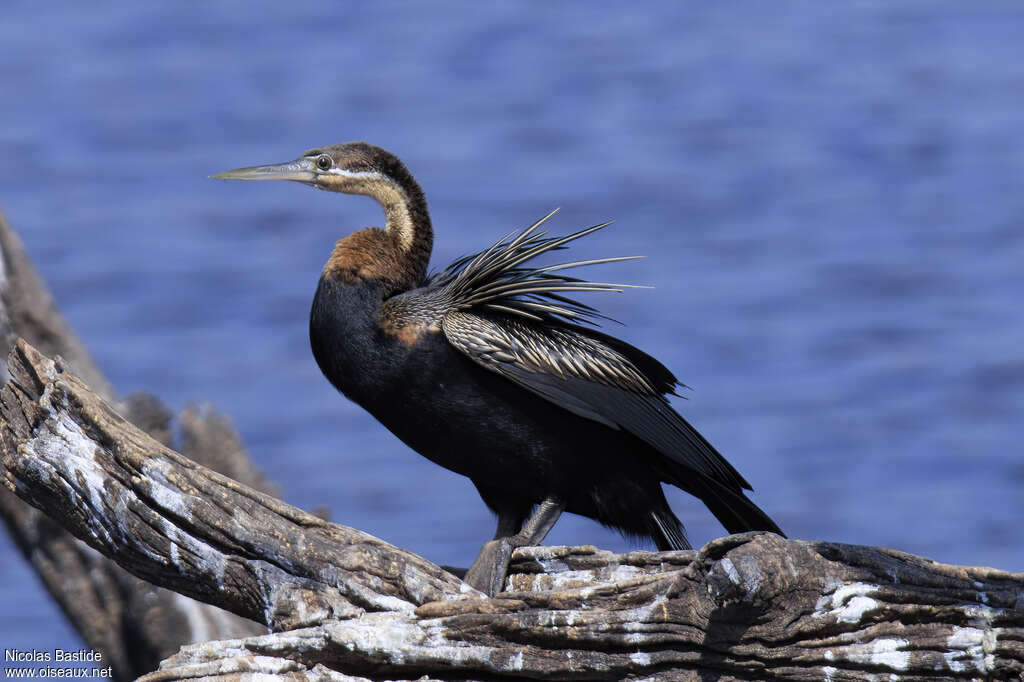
x,y
324,162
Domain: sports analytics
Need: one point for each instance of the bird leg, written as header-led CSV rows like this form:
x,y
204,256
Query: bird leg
x,y
488,572
508,525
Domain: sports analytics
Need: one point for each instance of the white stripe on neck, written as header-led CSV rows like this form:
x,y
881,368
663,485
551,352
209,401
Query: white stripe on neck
x,y
389,195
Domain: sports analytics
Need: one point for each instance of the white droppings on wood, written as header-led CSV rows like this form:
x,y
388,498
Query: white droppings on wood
x,y
847,603
390,635
854,610
655,612
557,618
889,653
388,603
575,579
516,662
749,579
286,596
981,616
640,658
230,656
164,493
202,558
270,669
982,594
549,559
553,565
61,447
172,501
730,571
550,566
47,370
368,596
623,572
965,650
402,640
972,649
420,590
303,640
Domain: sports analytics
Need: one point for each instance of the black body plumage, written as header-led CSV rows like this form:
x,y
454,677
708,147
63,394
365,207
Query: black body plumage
x,y
487,369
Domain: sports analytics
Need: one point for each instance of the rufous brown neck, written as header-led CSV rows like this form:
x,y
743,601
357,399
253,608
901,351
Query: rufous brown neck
x,y
397,256
375,254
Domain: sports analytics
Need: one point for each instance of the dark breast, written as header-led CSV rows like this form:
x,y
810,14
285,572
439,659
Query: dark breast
x,y
447,408
342,335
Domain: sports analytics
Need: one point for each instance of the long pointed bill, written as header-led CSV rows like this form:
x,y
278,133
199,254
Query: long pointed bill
x,y
300,170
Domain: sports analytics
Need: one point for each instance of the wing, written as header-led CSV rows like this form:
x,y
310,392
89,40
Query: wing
x,y
517,321
496,280
591,375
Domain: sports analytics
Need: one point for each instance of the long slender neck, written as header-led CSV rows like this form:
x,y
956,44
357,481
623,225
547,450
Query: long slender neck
x,y
397,256
407,220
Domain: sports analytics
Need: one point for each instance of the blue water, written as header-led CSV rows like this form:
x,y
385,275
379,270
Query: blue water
x,y
830,197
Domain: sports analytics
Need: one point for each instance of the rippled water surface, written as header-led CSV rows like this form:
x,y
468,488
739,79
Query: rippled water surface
x,y
829,196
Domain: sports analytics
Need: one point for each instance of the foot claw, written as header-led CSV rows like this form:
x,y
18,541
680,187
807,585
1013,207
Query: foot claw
x,y
488,572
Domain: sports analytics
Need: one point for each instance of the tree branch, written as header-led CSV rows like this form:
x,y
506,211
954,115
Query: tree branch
x,y
752,606
134,624
175,523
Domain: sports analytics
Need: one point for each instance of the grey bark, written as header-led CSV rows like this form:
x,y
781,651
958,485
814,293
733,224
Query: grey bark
x,y
132,623
346,606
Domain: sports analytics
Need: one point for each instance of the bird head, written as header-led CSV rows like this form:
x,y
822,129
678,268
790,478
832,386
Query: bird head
x,y
349,167
361,168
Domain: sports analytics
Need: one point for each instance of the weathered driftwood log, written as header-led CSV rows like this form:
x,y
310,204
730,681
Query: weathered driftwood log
x,y
132,623
345,605
178,524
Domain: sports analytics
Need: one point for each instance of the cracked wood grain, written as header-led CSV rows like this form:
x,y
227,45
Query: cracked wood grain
x,y
347,606
132,623
748,607
172,522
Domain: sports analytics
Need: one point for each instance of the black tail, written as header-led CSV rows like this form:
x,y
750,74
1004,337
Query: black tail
x,y
667,531
730,507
